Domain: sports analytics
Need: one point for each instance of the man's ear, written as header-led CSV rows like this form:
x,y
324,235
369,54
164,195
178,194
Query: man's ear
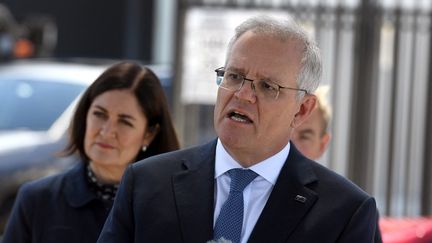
x,y
307,105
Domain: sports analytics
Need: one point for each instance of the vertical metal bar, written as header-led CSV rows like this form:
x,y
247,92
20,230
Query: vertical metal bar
x,y
164,39
417,113
391,198
364,94
326,35
179,109
383,119
403,70
427,170
342,88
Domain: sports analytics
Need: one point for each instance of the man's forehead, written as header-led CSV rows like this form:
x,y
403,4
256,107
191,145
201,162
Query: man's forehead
x,y
262,62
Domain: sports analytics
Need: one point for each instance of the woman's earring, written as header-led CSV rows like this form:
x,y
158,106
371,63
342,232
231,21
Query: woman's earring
x,y
144,148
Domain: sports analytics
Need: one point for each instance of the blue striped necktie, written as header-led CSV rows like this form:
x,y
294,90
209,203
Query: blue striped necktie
x,y
230,220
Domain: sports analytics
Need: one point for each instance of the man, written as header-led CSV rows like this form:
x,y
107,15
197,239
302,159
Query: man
x,y
251,184
312,136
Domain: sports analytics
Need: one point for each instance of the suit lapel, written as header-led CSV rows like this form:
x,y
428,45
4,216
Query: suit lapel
x,y
289,201
194,194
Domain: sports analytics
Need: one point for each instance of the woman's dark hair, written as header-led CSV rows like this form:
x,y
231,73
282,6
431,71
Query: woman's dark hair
x,y
148,90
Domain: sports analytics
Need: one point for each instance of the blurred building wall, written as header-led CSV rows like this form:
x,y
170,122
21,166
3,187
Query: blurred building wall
x,y
97,28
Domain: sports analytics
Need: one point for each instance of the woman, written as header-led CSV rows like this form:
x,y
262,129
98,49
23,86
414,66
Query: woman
x,y
121,118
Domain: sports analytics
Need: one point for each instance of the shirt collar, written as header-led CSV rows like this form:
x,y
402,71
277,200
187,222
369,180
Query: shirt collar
x,y
269,168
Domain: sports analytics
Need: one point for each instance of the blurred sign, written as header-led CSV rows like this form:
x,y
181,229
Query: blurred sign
x,y
207,34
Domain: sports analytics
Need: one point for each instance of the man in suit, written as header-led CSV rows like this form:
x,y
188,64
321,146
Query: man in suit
x,y
312,136
193,195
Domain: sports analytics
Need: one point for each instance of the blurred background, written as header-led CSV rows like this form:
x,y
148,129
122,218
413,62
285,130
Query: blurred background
x,y
377,61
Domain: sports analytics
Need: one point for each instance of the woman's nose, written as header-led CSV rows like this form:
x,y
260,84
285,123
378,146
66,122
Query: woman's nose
x,y
108,129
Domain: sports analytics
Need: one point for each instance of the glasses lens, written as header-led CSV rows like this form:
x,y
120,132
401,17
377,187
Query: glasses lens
x,y
228,80
267,89
220,72
233,80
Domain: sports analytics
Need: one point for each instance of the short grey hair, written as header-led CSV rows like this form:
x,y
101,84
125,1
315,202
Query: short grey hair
x,y
311,65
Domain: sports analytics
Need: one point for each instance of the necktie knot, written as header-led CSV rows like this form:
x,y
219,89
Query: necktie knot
x,y
240,178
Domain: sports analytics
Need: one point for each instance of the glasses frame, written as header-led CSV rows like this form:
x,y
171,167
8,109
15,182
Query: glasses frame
x,y
220,73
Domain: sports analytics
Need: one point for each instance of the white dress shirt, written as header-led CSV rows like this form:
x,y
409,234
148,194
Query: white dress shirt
x,y
255,194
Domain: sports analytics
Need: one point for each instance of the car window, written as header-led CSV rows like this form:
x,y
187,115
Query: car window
x,y
34,104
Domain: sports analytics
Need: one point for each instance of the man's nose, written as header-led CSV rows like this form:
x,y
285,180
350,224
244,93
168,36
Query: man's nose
x,y
246,92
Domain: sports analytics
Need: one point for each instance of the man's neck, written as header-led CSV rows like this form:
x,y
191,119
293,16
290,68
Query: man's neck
x,y
249,157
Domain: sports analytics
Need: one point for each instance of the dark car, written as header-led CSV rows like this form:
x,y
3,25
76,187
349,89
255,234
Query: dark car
x,y
37,100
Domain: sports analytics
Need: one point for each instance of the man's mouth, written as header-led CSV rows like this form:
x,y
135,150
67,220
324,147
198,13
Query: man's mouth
x,y
239,117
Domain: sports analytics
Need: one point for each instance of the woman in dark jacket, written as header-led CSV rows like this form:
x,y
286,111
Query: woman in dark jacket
x,y
121,118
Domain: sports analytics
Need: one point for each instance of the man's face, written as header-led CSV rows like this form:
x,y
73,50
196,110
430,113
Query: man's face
x,y
310,137
253,129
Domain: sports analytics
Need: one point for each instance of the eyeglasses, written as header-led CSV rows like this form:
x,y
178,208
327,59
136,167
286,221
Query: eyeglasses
x,y
233,81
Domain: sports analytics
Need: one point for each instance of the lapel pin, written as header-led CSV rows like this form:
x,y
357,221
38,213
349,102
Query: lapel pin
x,y
301,199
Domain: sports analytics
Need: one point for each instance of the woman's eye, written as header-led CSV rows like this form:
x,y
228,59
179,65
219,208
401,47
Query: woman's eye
x,y
127,123
99,114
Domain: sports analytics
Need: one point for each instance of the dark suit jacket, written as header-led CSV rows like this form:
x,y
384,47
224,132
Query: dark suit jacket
x,y
59,208
170,198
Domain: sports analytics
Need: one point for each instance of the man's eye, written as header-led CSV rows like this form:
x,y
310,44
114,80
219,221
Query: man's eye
x,y
235,76
267,86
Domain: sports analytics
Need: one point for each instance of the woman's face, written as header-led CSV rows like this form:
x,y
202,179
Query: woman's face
x,y
116,131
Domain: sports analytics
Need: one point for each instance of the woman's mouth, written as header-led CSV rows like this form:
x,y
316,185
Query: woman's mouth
x,y
105,145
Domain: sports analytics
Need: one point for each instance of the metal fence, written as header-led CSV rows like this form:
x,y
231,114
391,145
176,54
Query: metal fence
x,y
376,59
